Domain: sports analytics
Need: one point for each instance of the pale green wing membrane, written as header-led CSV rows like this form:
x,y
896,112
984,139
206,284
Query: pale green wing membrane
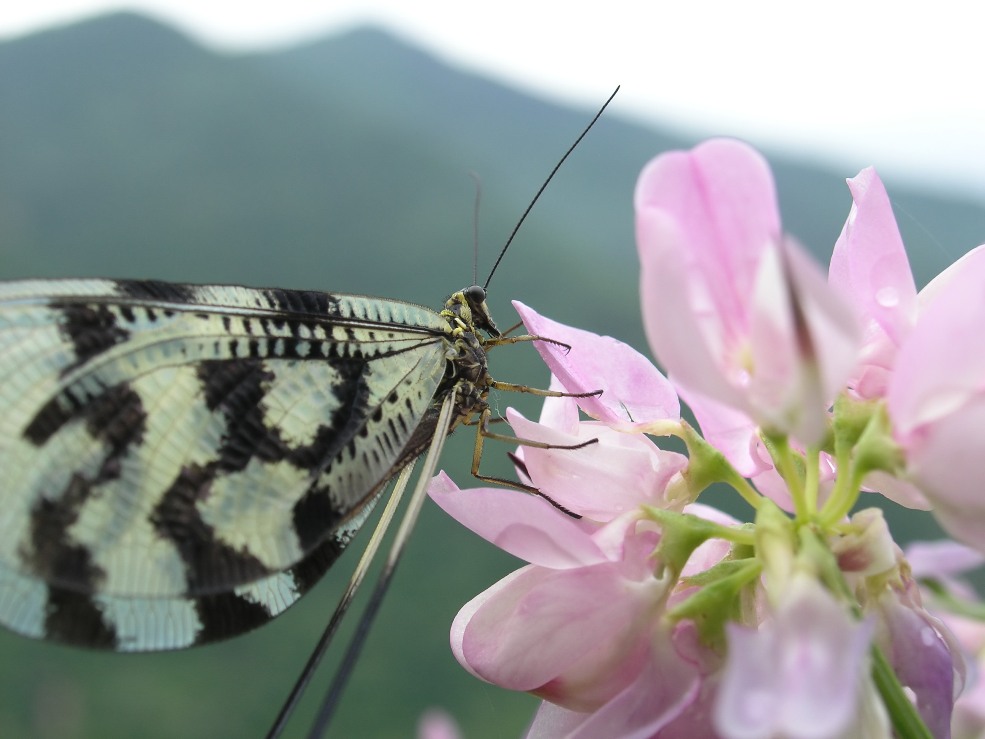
x,y
181,463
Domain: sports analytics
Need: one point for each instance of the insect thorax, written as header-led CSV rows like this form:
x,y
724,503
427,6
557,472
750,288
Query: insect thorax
x,y
467,371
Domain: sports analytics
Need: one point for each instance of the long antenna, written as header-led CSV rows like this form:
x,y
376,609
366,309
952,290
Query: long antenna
x,y
544,186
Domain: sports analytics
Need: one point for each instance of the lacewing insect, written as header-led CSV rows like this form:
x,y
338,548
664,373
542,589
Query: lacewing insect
x,y
183,462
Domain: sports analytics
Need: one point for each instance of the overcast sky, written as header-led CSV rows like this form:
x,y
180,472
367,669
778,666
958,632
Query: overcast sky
x,y
850,82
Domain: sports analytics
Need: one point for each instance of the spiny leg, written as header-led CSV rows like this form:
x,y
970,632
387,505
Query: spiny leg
x,y
483,433
503,340
514,388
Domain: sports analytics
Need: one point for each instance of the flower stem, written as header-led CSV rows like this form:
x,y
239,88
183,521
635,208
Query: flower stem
x,y
811,481
744,488
847,488
786,465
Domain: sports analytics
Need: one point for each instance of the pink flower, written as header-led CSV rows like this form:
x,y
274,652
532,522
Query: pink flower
x,y
581,624
800,674
634,619
437,724
619,473
944,563
936,399
634,392
870,270
919,649
738,315
943,560
923,354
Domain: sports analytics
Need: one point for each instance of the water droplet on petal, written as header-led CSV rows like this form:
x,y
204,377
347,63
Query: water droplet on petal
x,y
887,297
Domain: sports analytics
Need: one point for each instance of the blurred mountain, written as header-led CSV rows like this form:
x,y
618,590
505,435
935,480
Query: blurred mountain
x,y
126,149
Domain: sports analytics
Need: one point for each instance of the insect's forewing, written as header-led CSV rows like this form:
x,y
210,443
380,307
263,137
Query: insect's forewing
x,y
180,463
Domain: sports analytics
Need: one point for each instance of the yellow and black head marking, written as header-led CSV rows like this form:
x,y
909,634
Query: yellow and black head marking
x,y
182,462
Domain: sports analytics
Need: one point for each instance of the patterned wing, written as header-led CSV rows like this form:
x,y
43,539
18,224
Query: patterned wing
x,y
180,463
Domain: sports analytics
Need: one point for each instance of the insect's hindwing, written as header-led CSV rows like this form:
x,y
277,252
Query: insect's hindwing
x,y
180,463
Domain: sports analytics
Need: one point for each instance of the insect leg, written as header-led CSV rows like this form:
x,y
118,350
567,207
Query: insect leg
x,y
514,388
503,339
483,433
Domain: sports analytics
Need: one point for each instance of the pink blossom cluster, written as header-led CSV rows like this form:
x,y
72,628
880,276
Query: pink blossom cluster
x,y
645,613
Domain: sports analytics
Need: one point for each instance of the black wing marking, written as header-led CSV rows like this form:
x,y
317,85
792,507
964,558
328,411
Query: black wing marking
x,y
182,462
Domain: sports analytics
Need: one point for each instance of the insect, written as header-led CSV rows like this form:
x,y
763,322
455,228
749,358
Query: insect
x,y
183,462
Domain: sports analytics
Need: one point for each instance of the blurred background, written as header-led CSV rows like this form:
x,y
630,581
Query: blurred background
x,y
331,148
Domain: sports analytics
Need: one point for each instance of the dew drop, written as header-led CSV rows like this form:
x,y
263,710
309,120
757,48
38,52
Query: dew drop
x,y
887,297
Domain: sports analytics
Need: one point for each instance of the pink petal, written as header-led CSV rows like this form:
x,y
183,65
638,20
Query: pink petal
x,y
542,624
552,722
696,721
773,486
630,540
662,693
798,676
942,557
702,220
729,430
942,363
804,342
687,341
733,312
601,481
560,413
437,724
968,720
921,660
897,490
463,618
524,525
939,284
944,460
869,266
633,390
722,198
936,400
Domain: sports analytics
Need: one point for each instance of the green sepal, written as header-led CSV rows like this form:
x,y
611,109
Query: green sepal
x,y
815,557
776,543
706,464
682,533
778,447
725,568
863,428
718,600
850,419
876,449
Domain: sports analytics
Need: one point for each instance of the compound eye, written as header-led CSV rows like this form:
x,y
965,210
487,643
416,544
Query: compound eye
x,y
476,294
